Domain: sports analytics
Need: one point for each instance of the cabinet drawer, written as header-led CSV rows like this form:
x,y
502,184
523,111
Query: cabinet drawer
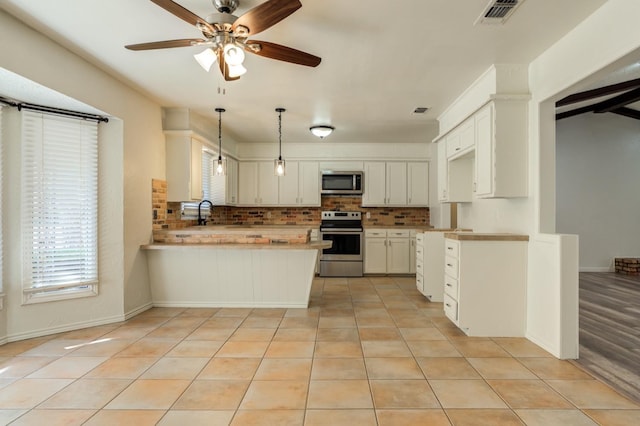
x,y
419,282
451,266
419,251
451,248
420,239
451,287
419,266
398,234
375,233
450,308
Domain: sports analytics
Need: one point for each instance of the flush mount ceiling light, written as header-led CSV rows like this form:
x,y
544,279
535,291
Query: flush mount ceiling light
x,y
321,131
226,36
279,163
221,166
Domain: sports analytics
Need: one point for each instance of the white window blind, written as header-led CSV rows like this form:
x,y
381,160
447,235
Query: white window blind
x,y
59,205
207,175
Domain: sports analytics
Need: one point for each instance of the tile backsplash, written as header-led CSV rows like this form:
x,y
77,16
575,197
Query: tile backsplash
x,y
166,215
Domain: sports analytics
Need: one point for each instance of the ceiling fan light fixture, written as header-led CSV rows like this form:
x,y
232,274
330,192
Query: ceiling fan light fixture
x,y
236,70
321,131
233,55
206,58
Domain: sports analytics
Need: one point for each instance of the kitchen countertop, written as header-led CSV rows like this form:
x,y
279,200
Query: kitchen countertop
x,y
234,234
421,228
313,245
472,236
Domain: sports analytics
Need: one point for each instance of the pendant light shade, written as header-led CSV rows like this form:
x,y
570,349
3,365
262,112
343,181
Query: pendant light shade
x,y
220,166
279,167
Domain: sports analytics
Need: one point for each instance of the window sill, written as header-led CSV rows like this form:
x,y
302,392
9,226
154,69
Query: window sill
x,y
56,295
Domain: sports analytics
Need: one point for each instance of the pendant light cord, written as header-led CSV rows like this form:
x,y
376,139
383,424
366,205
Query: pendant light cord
x,y
280,133
220,111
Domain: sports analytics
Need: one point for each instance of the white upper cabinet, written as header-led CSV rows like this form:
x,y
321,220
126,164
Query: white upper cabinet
x,y
257,183
486,155
396,183
501,150
418,184
184,167
375,184
301,184
443,171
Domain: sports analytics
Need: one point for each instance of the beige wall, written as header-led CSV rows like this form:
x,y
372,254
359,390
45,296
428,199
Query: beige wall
x,y
132,153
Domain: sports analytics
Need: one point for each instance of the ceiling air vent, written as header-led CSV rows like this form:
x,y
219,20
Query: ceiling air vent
x,y
420,110
498,11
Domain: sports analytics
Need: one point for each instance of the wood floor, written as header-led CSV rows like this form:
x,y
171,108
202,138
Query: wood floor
x,y
610,329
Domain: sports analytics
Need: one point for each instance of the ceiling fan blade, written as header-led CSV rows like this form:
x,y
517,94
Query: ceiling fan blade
x,y
184,42
184,14
224,68
266,15
284,53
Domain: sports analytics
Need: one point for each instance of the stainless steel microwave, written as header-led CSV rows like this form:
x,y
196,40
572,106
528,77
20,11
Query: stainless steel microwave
x,y
341,183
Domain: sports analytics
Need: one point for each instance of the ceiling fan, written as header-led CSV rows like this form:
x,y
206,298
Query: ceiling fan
x,y
227,36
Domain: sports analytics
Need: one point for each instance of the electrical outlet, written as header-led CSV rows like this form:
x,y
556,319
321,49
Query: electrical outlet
x,y
155,215
268,215
368,215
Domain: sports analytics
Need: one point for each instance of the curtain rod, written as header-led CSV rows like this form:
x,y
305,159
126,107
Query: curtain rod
x,y
52,110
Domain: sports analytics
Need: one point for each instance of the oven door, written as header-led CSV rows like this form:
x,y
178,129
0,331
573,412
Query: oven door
x,y
347,245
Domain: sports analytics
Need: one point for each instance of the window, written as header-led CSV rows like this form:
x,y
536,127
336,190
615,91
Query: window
x,y
59,207
207,174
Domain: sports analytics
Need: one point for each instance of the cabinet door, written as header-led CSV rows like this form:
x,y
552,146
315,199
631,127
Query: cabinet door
x,y
375,182
288,185
443,171
484,151
398,255
396,185
232,182
412,255
418,184
196,170
248,183
375,255
267,184
309,183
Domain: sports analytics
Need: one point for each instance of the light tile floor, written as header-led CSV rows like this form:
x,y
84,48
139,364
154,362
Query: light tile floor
x,y
368,351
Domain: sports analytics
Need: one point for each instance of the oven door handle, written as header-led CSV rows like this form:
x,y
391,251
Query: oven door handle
x,y
340,230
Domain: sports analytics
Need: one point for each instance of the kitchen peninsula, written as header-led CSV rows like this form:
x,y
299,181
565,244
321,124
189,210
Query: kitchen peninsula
x,y
232,266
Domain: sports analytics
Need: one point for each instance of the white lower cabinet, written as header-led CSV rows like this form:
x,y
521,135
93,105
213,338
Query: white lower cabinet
x,y
485,284
430,264
387,251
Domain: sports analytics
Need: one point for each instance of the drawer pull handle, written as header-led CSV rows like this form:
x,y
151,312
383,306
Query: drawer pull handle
x,y
449,265
449,285
448,305
449,248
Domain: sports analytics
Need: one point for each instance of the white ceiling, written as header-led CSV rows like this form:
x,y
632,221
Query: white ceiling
x,y
380,59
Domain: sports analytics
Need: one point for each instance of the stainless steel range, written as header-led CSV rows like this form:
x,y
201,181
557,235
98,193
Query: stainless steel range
x,y
345,257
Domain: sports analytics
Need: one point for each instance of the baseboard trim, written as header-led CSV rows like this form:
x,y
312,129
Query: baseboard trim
x,y
63,328
140,309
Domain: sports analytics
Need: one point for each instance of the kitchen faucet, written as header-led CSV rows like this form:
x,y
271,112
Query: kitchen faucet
x,y
202,221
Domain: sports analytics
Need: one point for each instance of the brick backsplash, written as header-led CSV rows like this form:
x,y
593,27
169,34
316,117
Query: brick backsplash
x,y
167,215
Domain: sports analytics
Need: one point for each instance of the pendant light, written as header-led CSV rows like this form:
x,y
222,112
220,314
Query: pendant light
x,y
279,163
220,166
